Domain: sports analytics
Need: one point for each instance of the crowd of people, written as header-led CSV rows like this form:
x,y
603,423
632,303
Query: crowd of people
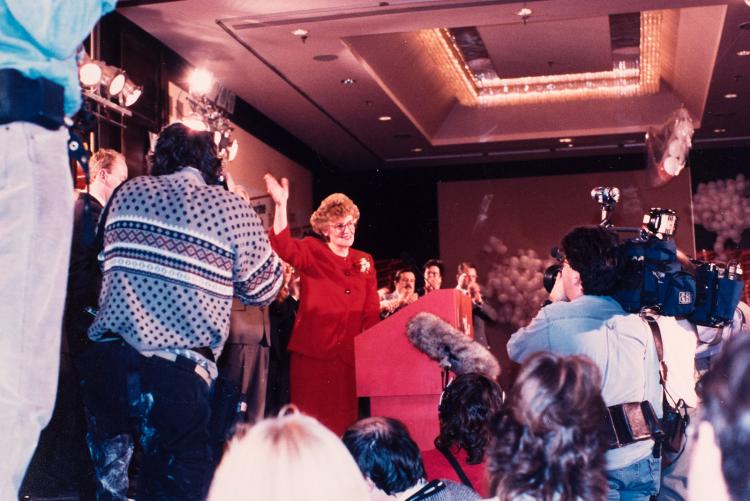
x,y
186,321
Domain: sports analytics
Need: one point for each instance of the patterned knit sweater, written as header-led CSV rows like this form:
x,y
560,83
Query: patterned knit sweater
x,y
175,253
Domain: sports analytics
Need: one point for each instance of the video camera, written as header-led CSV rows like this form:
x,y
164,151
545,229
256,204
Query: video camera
x,y
654,278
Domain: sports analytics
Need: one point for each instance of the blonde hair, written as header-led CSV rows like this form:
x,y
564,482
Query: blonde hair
x,y
288,458
103,159
335,206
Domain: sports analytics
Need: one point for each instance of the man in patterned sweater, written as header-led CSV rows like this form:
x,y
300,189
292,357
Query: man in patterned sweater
x,y
177,248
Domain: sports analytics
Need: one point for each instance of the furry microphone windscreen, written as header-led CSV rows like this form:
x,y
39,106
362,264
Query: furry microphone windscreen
x,y
451,348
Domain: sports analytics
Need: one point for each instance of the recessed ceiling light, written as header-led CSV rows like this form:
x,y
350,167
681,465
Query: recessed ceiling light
x,y
720,131
731,95
570,145
416,150
300,32
565,140
743,53
348,81
384,118
524,12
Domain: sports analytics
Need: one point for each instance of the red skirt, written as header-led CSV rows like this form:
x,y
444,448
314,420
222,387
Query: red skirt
x,y
324,389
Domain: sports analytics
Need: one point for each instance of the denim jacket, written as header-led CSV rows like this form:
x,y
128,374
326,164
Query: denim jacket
x,y
620,344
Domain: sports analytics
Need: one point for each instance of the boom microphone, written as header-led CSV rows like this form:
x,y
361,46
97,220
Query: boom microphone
x,y
449,347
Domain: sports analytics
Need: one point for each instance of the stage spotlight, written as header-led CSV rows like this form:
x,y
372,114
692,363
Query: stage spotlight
x,y
89,72
200,81
113,80
130,93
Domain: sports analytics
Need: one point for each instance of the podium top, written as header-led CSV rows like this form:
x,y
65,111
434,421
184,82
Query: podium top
x,y
387,364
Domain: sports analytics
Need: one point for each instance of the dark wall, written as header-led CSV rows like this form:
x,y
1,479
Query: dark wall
x,y
399,207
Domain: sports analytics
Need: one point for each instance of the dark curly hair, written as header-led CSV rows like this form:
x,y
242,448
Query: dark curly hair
x,y
466,407
179,146
548,442
592,252
385,453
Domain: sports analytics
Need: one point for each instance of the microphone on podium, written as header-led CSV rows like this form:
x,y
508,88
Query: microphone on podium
x,y
451,348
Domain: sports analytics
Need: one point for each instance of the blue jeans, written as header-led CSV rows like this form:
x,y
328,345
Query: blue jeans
x,y
636,482
166,407
36,223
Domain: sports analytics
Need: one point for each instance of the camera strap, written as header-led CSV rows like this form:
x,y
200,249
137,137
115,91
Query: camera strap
x,y
659,344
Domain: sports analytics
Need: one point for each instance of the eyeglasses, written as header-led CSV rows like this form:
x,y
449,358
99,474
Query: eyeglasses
x,y
342,227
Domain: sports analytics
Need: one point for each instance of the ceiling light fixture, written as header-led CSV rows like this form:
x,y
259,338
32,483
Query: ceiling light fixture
x,y
720,131
565,140
113,80
200,81
102,83
89,71
627,77
524,13
301,33
743,53
130,93
384,118
731,95
348,81
416,150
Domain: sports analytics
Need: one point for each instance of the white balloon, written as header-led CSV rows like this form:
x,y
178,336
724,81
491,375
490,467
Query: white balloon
x,y
676,148
672,166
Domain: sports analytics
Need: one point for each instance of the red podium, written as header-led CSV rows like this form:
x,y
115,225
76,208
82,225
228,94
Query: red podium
x,y
401,381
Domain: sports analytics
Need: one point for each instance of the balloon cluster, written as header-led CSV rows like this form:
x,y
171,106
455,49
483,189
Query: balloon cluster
x,y
515,281
723,207
668,146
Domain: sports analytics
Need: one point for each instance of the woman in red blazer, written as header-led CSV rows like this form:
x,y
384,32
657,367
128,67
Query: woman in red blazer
x,y
338,300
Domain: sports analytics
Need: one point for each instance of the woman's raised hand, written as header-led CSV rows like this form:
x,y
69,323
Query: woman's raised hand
x,y
279,191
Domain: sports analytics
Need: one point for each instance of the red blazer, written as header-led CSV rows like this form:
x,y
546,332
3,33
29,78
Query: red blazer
x,y
338,296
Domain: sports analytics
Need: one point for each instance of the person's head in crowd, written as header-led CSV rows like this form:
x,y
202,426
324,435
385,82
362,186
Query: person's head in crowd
x,y
404,282
466,275
107,170
288,458
336,220
547,442
590,265
433,271
385,453
179,146
465,409
719,466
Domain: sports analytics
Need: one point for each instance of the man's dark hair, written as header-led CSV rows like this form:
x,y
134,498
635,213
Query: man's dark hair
x,y
385,453
435,262
592,252
725,392
466,407
179,146
399,272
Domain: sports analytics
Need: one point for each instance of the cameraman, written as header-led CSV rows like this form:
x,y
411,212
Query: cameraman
x,y
584,320
39,89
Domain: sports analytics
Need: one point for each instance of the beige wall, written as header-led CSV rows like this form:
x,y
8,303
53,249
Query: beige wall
x,y
255,158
